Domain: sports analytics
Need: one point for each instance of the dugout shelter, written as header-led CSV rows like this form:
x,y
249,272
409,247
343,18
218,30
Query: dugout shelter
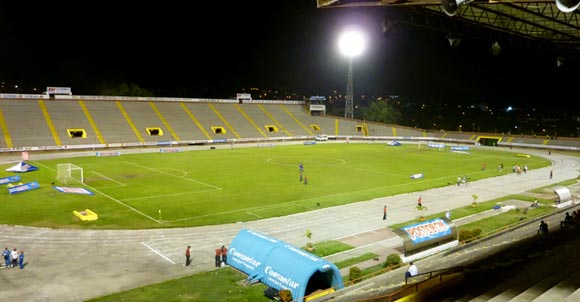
x,y
281,265
427,238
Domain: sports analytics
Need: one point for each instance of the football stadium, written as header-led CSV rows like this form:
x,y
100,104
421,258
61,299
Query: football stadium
x,y
105,193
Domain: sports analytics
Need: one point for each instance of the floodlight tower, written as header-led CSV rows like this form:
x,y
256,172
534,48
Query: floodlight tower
x,y
351,43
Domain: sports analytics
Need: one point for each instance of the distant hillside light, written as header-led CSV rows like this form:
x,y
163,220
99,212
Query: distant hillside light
x,y
351,44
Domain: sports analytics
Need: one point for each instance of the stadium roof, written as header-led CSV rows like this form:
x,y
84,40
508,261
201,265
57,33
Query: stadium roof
x,y
514,23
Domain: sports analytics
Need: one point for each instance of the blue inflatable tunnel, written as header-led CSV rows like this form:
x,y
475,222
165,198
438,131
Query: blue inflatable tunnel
x,y
280,265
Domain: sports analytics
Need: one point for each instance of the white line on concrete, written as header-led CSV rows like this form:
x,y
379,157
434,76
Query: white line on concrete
x,y
158,253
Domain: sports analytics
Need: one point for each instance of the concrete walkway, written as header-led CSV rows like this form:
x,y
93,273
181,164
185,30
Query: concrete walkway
x,y
76,265
384,242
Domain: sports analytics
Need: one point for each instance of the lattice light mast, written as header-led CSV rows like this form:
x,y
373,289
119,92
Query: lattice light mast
x,y
351,43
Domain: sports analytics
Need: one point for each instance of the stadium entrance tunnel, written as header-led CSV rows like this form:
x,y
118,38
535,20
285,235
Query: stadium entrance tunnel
x,y
281,265
271,128
218,130
315,127
154,131
488,140
76,133
427,238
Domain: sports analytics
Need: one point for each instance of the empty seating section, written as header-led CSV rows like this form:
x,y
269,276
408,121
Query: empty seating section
x,y
142,116
411,132
26,124
233,116
208,118
66,115
43,123
263,120
110,122
182,121
280,113
327,124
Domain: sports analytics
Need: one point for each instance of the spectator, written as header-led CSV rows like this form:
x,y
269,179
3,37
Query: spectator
x,y
224,255
187,255
6,255
218,257
567,221
14,256
412,271
385,213
21,260
543,228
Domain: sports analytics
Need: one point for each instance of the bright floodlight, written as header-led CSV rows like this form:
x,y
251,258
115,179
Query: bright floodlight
x,y
351,43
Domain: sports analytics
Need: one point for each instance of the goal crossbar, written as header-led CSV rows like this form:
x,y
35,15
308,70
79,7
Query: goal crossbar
x,y
67,173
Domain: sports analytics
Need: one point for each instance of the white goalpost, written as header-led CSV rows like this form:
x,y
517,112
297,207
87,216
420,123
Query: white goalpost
x,y
421,145
67,173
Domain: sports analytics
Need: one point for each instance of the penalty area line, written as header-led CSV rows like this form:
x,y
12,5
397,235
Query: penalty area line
x,y
117,182
157,252
111,198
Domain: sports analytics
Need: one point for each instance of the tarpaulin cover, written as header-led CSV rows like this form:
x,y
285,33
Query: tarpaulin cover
x,y
280,265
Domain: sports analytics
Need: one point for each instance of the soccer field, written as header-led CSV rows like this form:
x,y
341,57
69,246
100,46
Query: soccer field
x,y
192,188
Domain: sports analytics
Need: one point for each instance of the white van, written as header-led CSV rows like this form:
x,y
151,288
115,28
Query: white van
x,y
321,137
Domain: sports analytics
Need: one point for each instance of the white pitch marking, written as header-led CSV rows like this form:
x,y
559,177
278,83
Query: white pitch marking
x,y
119,183
169,174
254,214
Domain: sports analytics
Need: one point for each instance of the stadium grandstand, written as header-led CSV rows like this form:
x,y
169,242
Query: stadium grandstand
x,y
69,122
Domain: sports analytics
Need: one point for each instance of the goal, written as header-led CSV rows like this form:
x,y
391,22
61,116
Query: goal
x,y
67,173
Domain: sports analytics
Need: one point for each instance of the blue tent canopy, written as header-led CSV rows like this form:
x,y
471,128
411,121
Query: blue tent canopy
x,y
280,265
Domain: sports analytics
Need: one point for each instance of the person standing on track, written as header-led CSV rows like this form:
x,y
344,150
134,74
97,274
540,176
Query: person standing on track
x,y
218,257
385,213
187,256
224,254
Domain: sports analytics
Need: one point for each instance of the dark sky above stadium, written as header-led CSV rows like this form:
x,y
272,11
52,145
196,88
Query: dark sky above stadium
x,y
215,48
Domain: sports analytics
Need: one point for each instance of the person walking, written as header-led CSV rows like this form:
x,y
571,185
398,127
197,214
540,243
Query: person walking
x,y
419,202
551,174
218,257
21,259
187,255
385,213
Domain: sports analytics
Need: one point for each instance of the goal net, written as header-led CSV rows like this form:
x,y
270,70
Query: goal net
x,y
68,173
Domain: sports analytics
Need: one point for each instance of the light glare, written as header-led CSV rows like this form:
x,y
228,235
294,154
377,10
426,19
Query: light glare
x,y
351,43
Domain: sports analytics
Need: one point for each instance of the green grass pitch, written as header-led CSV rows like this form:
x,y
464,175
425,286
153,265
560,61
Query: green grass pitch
x,y
192,188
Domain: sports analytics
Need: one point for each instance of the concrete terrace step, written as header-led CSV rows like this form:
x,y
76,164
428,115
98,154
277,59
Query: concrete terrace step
x,y
561,290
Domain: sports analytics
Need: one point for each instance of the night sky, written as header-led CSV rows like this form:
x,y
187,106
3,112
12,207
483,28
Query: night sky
x,y
216,48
